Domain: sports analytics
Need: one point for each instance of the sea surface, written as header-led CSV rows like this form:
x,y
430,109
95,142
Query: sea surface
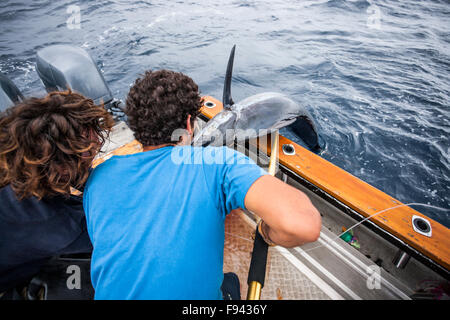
x,y
375,75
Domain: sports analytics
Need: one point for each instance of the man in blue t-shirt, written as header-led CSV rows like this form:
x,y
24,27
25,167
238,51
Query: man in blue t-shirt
x,y
156,218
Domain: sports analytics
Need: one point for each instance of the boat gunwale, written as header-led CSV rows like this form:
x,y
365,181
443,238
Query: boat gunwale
x,y
437,259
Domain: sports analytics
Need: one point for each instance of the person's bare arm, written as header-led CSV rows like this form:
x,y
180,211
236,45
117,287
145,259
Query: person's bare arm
x,y
290,216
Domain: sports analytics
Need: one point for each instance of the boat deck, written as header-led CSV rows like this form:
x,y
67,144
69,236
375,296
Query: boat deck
x,y
326,269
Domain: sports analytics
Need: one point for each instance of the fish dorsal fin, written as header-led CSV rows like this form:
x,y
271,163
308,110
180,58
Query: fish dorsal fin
x,y
226,99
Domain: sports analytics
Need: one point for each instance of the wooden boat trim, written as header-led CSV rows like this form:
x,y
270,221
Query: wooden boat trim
x,y
359,196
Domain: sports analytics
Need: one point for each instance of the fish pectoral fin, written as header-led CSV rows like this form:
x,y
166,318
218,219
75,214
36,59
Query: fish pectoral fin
x,y
305,129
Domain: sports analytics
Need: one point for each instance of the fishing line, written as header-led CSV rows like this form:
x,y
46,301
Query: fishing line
x,y
373,215
234,235
356,224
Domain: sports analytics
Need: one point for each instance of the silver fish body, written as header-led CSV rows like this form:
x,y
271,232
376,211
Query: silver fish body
x,y
254,116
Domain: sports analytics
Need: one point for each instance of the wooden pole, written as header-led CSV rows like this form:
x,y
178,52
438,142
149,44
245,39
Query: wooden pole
x,y
260,247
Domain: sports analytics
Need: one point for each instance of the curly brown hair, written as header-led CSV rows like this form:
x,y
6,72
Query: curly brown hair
x,y
47,145
159,103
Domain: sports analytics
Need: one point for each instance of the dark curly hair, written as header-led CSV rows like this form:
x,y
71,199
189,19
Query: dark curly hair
x,y
47,145
159,103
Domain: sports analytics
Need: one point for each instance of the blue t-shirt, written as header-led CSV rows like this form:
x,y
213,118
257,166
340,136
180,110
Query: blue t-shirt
x,y
156,221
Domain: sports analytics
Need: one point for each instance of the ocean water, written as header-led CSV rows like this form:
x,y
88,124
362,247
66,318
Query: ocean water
x,y
375,75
